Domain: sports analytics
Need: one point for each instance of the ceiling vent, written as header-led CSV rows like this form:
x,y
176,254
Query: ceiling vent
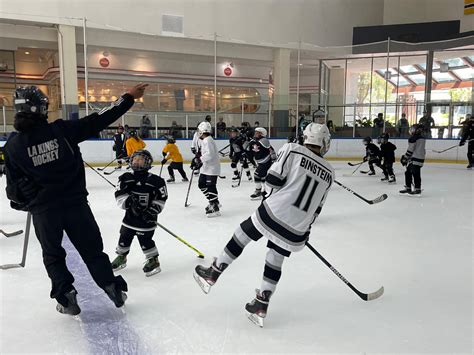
x,y
172,25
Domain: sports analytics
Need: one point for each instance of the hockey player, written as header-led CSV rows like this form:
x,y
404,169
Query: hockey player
x,y
372,155
387,152
142,195
45,175
299,182
196,142
208,161
237,154
171,152
262,151
468,135
413,159
248,132
2,161
134,143
119,146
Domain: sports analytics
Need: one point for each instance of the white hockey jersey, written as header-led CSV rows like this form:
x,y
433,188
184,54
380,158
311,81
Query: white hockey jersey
x,y
210,157
196,142
299,181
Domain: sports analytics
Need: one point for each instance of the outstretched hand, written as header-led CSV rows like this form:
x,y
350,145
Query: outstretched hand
x,y
138,90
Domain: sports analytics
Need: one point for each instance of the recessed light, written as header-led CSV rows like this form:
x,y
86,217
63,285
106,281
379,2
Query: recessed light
x,y
27,52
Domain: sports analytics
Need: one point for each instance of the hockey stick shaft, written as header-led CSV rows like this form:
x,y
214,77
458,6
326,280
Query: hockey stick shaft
x,y
105,167
180,239
358,167
161,169
222,150
364,296
189,189
445,150
25,246
352,164
370,202
103,177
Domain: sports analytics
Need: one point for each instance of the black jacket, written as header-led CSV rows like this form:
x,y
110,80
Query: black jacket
x,y
49,158
468,131
388,152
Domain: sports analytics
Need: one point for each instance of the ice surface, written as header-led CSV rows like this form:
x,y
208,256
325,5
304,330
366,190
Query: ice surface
x,y
419,249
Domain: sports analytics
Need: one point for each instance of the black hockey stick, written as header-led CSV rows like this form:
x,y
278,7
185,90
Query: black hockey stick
x,y
161,169
221,152
356,164
110,172
99,174
445,150
186,204
25,246
221,176
240,176
200,255
12,234
370,202
358,167
365,296
105,167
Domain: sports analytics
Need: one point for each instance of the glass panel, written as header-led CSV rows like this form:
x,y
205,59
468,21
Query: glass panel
x,y
419,79
442,77
464,74
408,69
423,65
454,62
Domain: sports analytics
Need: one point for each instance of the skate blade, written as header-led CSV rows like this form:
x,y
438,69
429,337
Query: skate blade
x,y
255,319
213,214
417,195
153,272
205,287
255,198
120,267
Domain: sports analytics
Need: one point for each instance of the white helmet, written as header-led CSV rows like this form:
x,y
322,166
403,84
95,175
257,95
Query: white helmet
x,y
261,130
317,134
319,116
204,127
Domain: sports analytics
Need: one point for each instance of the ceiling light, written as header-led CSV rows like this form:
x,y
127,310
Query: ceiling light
x,y
27,53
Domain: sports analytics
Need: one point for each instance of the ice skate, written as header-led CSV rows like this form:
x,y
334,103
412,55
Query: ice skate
x,y
371,173
415,193
207,277
171,179
405,191
257,309
119,262
152,266
249,176
385,178
392,179
72,307
185,179
469,166
212,210
257,195
116,295
118,167
236,176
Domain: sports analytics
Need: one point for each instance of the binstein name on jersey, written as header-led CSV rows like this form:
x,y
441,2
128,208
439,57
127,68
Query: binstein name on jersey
x,y
315,168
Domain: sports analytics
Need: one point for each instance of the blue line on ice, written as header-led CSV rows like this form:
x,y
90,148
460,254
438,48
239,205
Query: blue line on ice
x,y
105,327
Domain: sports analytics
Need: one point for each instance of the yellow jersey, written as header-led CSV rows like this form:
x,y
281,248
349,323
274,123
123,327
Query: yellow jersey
x,y
133,145
173,153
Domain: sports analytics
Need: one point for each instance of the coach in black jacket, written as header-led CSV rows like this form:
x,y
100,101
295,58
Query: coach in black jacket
x,y
45,175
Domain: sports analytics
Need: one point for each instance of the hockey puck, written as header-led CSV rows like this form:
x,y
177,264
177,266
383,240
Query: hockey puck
x,y
201,256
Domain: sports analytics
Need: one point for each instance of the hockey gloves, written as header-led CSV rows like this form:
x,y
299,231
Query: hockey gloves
x,y
163,162
404,160
461,143
196,164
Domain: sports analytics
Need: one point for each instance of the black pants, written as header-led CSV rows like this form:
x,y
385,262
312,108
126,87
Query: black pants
x,y
387,168
176,166
144,238
470,152
413,174
261,172
80,226
236,158
208,186
119,154
375,162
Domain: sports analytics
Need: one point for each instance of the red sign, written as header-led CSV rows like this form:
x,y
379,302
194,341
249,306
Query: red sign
x,y
228,71
104,62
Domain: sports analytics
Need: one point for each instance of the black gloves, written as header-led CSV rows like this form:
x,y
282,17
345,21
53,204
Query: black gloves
x,y
163,162
196,164
404,160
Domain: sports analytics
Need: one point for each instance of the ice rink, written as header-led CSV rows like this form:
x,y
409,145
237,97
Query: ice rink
x,y
419,249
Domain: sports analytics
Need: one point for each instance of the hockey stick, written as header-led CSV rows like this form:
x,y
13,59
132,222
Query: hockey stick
x,y
200,255
110,172
161,169
445,150
25,246
99,174
370,202
189,189
101,169
12,234
365,296
240,176
356,164
221,152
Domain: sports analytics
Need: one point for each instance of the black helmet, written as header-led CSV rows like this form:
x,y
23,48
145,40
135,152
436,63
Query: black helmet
x,y
416,129
30,99
367,140
170,140
133,133
208,118
233,130
143,165
384,137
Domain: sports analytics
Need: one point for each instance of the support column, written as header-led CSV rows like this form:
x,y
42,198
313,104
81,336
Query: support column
x,y
428,81
68,71
336,96
281,96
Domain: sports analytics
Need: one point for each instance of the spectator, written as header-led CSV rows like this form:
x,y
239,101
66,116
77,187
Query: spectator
x,y
145,126
175,130
403,126
378,125
126,131
221,127
427,122
331,128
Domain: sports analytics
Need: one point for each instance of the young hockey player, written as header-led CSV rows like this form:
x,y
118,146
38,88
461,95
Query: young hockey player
x,y
413,159
196,142
134,143
171,152
142,195
237,154
2,162
263,153
468,135
208,161
387,151
372,155
299,182
248,132
119,146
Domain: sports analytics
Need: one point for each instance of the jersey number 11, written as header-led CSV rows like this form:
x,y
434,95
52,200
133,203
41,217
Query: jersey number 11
x,y
299,201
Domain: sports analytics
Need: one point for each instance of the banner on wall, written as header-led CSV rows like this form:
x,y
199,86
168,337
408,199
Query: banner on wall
x,y
468,7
